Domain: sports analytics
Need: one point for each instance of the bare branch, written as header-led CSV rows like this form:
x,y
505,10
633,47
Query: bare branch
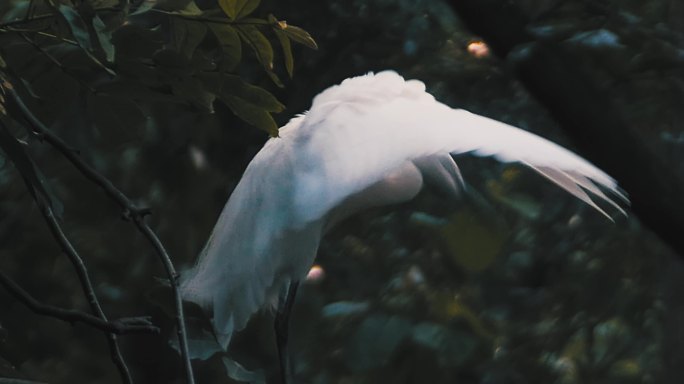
x,y
79,265
120,326
130,212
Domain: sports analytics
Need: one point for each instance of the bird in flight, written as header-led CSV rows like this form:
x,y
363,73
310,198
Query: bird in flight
x,y
371,141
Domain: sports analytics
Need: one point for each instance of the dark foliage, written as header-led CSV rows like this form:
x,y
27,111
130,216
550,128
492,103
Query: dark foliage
x,y
516,283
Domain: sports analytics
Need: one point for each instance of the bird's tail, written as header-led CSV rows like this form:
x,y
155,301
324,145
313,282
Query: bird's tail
x,y
196,287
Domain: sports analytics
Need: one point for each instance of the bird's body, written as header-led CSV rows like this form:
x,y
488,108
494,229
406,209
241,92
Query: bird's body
x,y
370,141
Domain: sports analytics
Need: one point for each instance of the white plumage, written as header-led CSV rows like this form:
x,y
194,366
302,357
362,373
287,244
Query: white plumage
x,y
369,141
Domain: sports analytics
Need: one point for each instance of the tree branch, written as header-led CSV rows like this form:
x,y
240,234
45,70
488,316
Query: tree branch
x,y
57,63
45,209
39,33
178,300
207,19
120,326
130,212
23,21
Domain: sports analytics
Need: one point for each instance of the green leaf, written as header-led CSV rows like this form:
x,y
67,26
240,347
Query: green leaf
x,y
237,9
136,42
231,85
181,7
104,37
145,6
172,63
251,114
234,85
229,40
77,26
228,7
248,102
16,10
259,43
284,43
300,36
190,10
245,7
275,79
80,32
239,373
188,35
262,48
287,51
191,90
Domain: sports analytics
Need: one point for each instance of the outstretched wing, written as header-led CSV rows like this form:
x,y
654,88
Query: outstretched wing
x,y
369,141
373,126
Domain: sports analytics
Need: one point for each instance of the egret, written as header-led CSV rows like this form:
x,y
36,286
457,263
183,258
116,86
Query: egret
x,y
368,142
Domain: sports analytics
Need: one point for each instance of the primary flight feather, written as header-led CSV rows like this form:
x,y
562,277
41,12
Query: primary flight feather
x,y
370,141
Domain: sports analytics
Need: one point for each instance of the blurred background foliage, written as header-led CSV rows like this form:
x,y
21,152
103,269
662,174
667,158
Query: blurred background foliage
x,y
515,283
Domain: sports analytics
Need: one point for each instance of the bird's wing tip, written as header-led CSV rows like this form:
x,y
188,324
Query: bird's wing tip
x,y
584,187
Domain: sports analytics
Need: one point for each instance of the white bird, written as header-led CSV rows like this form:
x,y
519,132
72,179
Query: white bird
x,y
369,141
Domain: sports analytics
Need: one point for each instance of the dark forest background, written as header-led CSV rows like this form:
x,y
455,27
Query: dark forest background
x,y
516,283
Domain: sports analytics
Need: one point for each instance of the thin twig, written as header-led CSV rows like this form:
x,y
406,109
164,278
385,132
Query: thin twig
x,y
130,212
39,33
208,19
120,326
44,133
46,16
81,271
119,9
11,23
58,63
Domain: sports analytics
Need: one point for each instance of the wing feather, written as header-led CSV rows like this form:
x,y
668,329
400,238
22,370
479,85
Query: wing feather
x,y
363,142
354,145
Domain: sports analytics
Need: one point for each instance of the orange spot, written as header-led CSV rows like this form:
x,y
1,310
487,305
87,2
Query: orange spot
x,y
478,49
316,274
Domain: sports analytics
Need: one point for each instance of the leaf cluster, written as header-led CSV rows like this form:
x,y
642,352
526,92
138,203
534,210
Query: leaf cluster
x,y
96,73
151,51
